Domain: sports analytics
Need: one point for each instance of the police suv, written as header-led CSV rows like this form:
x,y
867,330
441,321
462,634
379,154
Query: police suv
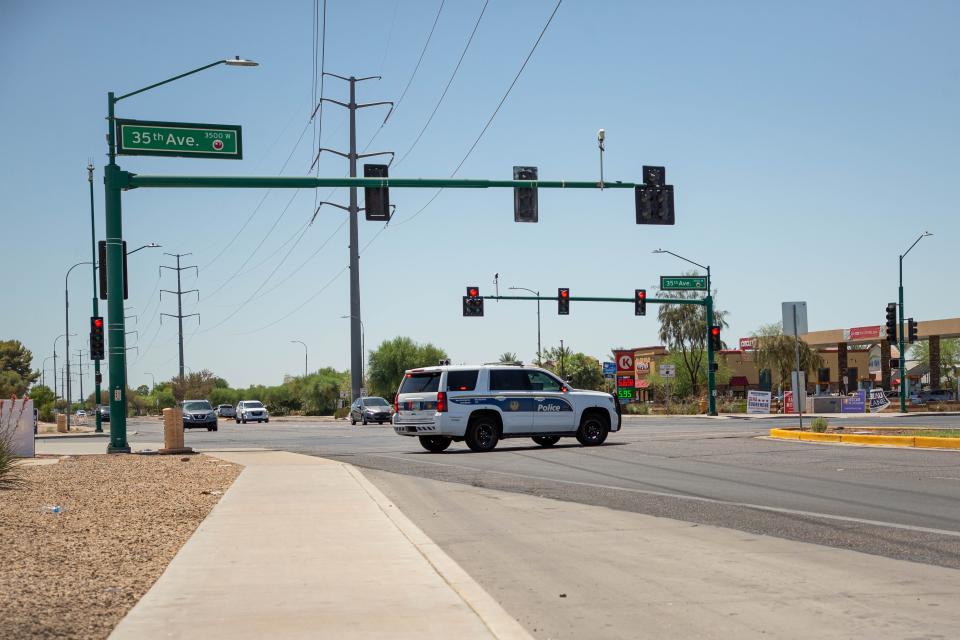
x,y
482,404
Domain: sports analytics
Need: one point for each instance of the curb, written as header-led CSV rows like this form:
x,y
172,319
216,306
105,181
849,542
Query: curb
x,y
923,442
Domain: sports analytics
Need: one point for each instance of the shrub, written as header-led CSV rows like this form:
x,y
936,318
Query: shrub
x,y
636,409
819,425
342,412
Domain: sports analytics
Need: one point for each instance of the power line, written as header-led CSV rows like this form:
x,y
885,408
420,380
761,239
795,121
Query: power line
x,y
179,293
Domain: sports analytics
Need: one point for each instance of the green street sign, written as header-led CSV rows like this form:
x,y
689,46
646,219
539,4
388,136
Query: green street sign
x,y
683,283
183,139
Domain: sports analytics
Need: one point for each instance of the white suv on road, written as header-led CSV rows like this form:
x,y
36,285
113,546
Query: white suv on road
x,y
482,404
250,411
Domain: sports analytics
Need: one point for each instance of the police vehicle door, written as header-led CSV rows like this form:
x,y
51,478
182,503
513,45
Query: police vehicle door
x,y
552,410
510,391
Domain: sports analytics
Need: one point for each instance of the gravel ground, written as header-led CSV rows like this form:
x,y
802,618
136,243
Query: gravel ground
x,y
76,573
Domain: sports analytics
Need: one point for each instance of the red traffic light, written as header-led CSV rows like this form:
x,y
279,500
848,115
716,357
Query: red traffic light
x,y
98,322
641,294
473,292
715,331
564,293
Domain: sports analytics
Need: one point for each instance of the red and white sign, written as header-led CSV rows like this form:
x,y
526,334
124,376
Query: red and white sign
x,y
746,344
643,367
788,402
625,382
624,360
643,384
862,333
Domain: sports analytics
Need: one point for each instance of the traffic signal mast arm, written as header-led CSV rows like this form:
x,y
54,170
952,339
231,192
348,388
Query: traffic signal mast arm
x,y
598,299
129,180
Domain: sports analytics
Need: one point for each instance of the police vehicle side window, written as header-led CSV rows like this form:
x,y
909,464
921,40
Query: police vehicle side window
x,y
462,380
421,382
509,380
540,381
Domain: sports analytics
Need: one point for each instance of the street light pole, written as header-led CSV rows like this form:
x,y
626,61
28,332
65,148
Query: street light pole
x,y
66,313
363,351
304,356
536,293
711,377
55,367
113,180
903,355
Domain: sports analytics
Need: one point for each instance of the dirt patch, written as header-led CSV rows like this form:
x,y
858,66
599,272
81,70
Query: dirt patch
x,y
75,573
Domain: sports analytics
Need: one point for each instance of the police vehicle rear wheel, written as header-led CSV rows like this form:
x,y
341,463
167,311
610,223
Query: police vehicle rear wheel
x,y
593,430
481,434
435,444
546,441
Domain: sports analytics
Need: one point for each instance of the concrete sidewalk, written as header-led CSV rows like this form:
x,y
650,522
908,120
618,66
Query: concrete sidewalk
x,y
302,547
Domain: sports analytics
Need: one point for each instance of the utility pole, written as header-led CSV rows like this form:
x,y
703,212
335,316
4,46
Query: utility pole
x,y
356,339
80,372
179,293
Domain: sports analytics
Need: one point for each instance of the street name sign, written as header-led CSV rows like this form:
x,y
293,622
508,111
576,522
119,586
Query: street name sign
x,y
683,283
180,139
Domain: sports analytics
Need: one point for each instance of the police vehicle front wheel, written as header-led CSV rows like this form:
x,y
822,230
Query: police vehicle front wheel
x,y
435,444
546,441
482,434
593,429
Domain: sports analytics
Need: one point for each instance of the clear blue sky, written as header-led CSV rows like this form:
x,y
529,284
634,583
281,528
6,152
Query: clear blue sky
x,y
809,144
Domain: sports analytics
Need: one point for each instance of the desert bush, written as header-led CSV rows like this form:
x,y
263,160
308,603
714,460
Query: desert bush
x,y
819,425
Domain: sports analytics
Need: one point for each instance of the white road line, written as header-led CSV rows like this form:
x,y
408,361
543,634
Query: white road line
x,y
795,512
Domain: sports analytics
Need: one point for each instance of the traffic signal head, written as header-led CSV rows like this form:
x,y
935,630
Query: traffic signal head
x,y
911,330
563,301
472,303
640,302
525,207
891,325
654,204
894,363
376,204
96,338
716,343
654,176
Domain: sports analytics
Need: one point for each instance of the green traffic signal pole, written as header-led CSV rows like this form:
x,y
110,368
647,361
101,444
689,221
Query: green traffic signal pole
x,y
114,181
96,301
903,356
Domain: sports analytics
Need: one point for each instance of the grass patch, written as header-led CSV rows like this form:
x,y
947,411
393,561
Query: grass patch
x,y
938,433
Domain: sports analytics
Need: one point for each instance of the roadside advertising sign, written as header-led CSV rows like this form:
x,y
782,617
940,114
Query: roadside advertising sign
x,y
862,333
854,404
643,384
643,366
625,382
746,344
788,402
625,394
758,401
609,369
878,400
624,360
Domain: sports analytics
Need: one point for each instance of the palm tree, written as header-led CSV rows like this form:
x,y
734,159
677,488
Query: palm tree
x,y
508,357
777,352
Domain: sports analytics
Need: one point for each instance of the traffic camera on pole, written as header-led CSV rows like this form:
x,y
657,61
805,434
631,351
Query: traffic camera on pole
x,y
715,342
563,301
472,303
96,338
911,330
891,326
654,198
525,208
640,302
376,204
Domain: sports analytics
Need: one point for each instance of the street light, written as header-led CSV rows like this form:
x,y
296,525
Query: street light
x,y
903,355
304,356
152,245
711,378
66,314
43,372
536,293
363,341
113,180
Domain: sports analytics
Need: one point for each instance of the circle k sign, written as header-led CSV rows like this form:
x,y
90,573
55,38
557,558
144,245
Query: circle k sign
x,y
624,361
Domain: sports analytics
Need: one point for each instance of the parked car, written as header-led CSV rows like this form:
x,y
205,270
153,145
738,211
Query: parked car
x,y
198,414
934,395
81,413
370,409
226,411
251,411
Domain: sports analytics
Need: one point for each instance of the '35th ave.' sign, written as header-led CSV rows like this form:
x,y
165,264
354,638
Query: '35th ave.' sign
x,y
182,139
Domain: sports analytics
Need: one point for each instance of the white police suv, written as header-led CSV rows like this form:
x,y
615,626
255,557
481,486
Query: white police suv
x,y
482,404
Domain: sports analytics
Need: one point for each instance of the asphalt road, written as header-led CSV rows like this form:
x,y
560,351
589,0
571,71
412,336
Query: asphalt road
x,y
899,503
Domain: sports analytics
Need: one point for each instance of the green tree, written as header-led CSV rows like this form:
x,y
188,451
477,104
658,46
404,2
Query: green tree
x,y
683,328
143,390
194,386
393,357
949,358
507,357
777,352
581,370
16,376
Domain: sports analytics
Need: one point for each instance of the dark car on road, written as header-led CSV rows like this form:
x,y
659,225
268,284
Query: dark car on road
x,y
198,414
104,410
370,409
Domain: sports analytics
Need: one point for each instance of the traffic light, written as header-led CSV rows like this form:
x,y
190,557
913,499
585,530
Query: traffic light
x,y
911,330
640,302
715,342
525,198
376,204
894,363
563,301
472,303
891,331
654,198
102,269
96,338
715,366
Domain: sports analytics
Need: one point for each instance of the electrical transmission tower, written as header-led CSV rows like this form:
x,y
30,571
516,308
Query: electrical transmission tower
x,y
179,293
356,330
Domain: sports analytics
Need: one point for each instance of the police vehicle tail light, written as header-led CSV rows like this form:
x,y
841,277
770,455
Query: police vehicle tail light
x,y
441,401
396,403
